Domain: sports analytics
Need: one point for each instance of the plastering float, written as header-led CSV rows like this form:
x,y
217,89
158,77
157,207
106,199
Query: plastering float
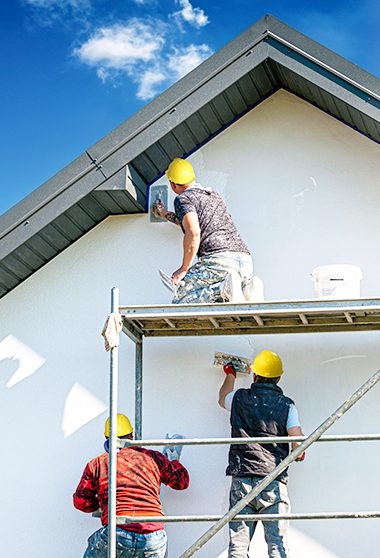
x,y
241,364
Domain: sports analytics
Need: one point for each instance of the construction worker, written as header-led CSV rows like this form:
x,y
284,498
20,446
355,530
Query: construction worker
x,y
140,473
224,269
261,410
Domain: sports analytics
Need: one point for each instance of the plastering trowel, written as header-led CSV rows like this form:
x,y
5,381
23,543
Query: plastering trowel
x,y
241,364
167,281
157,193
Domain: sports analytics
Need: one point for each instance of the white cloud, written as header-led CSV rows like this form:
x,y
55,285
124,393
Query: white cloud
x,y
136,49
185,59
149,83
169,69
120,46
102,74
193,16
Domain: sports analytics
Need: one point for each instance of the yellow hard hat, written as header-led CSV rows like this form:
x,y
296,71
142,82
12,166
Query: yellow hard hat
x,y
180,171
267,364
124,426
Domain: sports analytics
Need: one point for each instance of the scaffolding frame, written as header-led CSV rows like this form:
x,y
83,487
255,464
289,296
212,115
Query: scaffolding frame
x,y
300,316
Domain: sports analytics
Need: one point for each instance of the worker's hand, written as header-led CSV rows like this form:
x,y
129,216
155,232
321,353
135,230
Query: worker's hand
x,y
159,210
229,369
173,452
178,275
301,457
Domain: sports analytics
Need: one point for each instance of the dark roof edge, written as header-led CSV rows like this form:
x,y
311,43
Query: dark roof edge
x,y
87,161
324,57
85,168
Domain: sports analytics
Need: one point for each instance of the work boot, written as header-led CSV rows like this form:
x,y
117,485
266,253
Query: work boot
x,y
230,288
253,290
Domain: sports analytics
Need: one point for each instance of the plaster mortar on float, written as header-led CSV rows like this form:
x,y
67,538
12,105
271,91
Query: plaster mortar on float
x,y
60,310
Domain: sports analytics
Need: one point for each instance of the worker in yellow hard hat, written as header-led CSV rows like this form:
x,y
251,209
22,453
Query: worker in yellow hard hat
x,y
261,410
140,473
224,270
124,427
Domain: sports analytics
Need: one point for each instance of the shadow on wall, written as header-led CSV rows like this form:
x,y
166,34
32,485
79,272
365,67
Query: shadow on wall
x,y
20,362
28,361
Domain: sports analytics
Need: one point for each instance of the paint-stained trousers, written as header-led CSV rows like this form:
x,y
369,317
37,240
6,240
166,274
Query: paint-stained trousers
x,y
128,544
273,499
202,283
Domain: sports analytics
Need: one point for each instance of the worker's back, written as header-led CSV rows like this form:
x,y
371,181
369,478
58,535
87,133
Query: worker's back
x,y
140,473
261,410
218,231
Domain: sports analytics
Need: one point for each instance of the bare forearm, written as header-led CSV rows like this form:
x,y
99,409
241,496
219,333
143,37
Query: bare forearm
x,y
190,249
295,431
172,218
226,388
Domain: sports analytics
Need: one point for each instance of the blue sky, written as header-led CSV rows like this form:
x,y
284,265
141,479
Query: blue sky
x,y
72,70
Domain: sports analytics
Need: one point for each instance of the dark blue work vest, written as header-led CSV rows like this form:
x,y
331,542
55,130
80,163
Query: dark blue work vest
x,y
261,410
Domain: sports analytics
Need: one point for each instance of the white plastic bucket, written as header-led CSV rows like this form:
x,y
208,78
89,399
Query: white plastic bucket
x,y
337,281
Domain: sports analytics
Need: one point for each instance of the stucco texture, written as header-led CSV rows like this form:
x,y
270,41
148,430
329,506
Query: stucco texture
x,y
303,190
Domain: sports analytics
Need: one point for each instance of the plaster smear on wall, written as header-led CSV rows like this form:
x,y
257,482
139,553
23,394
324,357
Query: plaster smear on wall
x,y
298,543
302,192
347,357
29,361
81,406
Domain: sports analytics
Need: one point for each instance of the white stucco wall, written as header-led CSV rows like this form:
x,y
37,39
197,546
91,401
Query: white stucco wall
x,y
303,190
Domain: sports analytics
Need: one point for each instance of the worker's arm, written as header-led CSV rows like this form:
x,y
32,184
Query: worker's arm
x,y
228,384
191,240
172,473
293,428
160,210
296,431
85,497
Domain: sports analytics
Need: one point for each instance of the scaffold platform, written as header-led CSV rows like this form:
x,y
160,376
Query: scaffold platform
x,y
293,316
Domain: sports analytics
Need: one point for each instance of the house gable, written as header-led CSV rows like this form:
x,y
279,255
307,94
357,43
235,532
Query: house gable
x,y
113,176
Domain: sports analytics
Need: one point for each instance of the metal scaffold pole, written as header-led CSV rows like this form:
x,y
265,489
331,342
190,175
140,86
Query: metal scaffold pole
x,y
138,388
332,419
114,378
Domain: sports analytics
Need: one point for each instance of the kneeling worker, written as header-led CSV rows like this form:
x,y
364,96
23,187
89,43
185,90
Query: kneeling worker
x,y
140,473
224,270
261,410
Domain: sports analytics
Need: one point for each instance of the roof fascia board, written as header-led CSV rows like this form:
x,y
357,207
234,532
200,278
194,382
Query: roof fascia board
x,y
324,56
122,181
331,84
24,229
333,71
47,191
129,148
117,181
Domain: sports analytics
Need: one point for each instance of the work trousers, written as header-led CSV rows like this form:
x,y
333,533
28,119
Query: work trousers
x,y
273,499
202,283
128,544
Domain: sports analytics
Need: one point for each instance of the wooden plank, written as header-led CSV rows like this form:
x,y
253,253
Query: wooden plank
x,y
267,330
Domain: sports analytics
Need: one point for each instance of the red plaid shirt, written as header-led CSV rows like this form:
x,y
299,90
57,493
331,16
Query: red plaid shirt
x,y
140,473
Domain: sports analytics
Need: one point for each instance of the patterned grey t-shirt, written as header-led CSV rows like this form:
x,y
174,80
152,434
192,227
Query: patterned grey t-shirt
x,y
218,232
